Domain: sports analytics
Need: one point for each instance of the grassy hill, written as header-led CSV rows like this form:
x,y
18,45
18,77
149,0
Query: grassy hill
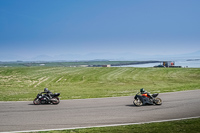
x,y
23,83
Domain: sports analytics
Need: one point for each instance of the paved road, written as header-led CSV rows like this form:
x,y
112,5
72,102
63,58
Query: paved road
x,y
22,116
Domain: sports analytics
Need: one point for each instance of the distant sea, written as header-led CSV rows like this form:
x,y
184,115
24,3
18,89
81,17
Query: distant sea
x,y
190,63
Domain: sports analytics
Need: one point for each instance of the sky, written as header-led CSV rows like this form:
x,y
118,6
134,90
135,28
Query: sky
x,y
29,28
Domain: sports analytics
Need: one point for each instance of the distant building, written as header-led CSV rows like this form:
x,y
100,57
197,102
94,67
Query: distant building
x,y
168,63
106,65
83,65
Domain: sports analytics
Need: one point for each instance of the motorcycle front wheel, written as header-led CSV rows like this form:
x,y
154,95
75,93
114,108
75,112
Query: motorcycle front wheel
x,y
137,102
36,101
55,100
158,101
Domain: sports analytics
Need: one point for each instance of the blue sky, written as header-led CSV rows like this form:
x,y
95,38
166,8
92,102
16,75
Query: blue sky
x,y
30,28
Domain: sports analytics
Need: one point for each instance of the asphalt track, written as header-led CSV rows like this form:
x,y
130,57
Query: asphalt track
x,y
24,116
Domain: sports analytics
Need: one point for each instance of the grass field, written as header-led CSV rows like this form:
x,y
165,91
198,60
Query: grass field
x,y
23,83
182,126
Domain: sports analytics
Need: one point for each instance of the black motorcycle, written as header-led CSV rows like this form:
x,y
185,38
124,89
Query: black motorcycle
x,y
44,99
143,99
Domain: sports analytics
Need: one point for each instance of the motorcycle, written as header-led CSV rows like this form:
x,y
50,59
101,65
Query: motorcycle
x,y
44,99
143,99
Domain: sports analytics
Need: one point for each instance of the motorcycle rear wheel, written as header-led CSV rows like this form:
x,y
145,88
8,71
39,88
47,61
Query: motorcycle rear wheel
x,y
137,102
158,101
36,101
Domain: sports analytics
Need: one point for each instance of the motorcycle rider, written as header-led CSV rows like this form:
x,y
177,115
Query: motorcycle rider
x,y
147,94
47,92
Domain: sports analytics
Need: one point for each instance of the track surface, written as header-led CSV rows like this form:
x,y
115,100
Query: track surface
x,y
23,116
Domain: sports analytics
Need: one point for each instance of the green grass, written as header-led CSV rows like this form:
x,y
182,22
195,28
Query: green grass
x,y
182,126
23,83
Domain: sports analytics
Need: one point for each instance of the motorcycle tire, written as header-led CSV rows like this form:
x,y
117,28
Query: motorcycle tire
x,y
137,102
158,101
36,101
56,101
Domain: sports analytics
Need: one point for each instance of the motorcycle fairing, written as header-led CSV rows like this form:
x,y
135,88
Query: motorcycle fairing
x,y
144,99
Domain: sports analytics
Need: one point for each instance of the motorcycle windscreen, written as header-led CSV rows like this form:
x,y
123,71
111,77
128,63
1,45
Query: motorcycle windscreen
x,y
56,94
155,95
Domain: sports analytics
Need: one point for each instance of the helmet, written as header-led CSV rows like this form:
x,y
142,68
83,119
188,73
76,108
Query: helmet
x,y
142,90
45,89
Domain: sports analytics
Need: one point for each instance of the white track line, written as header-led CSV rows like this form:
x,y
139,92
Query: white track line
x,y
112,125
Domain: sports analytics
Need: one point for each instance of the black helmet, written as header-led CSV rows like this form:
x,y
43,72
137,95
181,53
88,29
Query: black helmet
x,y
142,90
45,89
